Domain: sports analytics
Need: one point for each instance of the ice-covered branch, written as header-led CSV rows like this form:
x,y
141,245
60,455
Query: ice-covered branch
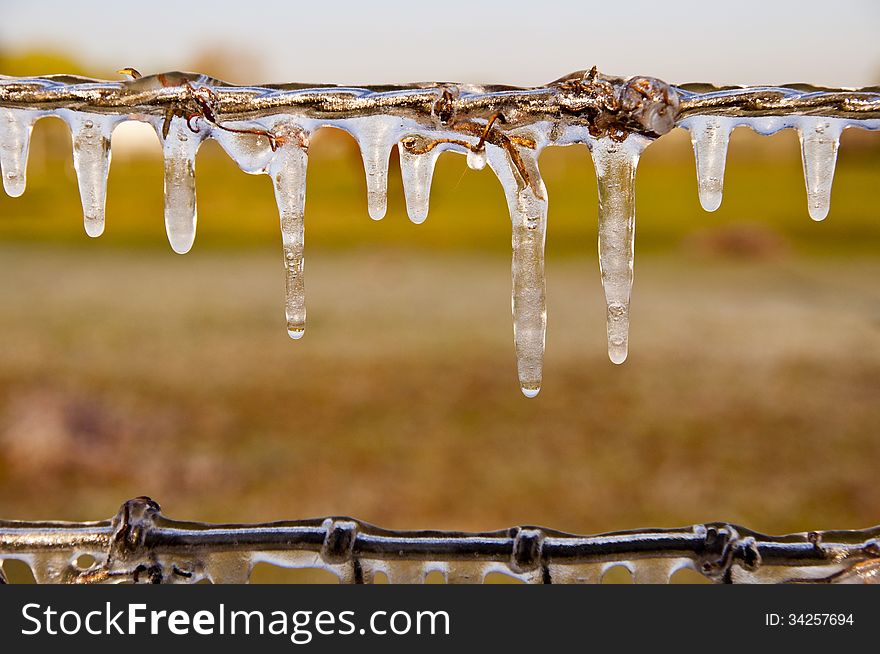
x,y
139,544
267,130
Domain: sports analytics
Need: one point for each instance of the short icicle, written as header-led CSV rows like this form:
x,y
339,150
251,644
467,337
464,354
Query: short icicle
x,y
417,170
528,214
91,160
710,136
16,126
288,172
820,140
376,135
616,164
179,149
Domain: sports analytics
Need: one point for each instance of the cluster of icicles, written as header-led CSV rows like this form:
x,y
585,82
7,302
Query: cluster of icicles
x,y
140,545
285,161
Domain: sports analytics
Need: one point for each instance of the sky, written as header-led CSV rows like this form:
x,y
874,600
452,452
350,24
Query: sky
x,y
514,42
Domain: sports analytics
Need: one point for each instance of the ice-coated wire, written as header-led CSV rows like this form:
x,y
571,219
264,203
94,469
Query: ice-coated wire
x,y
267,130
140,544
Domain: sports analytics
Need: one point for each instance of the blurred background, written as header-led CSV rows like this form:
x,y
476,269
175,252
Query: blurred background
x,y
751,390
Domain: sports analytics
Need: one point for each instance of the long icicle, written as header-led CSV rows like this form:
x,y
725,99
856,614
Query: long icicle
x,y
528,214
616,164
288,172
91,160
179,149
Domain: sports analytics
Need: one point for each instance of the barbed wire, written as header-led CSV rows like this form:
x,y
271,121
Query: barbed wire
x,y
141,545
605,102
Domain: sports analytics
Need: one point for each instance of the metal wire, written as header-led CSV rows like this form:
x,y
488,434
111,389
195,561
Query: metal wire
x,y
140,544
606,104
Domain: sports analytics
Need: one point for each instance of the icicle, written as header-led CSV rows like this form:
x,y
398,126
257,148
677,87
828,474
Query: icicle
x,y
16,126
180,149
91,160
376,135
766,125
417,171
820,140
615,164
527,204
710,135
288,172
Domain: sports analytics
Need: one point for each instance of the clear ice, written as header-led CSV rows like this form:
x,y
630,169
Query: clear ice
x,y
16,126
527,204
615,164
179,149
91,159
288,172
710,135
376,135
820,140
417,170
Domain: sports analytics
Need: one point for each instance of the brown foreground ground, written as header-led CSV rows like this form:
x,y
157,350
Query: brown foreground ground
x,y
750,394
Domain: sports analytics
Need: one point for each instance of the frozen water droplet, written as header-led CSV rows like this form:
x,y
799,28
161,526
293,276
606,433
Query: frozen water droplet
x,y
820,140
417,171
252,152
476,160
765,125
710,136
527,204
288,172
376,135
615,172
179,150
91,160
15,136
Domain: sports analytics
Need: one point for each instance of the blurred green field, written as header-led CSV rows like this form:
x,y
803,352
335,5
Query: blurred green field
x,y
750,394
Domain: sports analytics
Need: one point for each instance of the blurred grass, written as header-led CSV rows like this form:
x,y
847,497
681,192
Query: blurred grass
x,y
750,394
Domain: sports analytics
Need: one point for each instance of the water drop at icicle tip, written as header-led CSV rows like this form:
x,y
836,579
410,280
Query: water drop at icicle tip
x,y
530,392
296,333
617,352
